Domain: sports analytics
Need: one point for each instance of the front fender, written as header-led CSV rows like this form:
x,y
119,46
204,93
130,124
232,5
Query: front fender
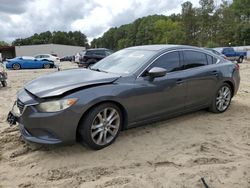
x,y
90,97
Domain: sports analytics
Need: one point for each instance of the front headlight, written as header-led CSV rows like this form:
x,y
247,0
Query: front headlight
x,y
55,106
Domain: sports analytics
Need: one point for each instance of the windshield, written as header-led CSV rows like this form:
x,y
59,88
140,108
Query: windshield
x,y
124,61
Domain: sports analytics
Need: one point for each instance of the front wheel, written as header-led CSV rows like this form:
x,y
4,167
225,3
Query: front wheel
x,y
222,99
101,126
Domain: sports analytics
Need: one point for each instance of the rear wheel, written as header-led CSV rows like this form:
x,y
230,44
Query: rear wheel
x,y
4,83
222,100
16,66
46,66
101,126
240,60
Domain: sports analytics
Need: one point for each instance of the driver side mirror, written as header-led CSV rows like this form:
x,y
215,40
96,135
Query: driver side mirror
x,y
157,72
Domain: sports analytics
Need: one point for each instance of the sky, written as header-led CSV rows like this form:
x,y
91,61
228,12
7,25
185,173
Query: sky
x,y
23,18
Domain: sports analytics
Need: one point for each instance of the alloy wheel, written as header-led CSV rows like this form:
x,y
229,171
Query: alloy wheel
x,y
16,66
223,98
105,126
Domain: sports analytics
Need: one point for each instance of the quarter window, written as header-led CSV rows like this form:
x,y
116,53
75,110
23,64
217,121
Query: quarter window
x,y
194,59
211,60
169,61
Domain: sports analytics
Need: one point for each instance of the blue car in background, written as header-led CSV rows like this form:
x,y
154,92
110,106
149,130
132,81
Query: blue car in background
x,y
26,62
232,55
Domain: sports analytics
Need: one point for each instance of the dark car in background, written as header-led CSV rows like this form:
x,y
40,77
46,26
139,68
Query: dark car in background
x,y
133,86
67,58
91,56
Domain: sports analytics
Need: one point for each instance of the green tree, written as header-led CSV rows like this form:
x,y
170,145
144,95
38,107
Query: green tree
x,y
3,43
75,38
241,9
190,23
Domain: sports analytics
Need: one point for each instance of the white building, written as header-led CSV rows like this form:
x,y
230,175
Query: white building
x,y
58,49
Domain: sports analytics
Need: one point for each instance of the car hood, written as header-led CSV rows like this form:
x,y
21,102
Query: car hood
x,y
58,83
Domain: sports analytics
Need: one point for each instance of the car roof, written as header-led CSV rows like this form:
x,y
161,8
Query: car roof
x,y
161,47
27,57
96,49
42,54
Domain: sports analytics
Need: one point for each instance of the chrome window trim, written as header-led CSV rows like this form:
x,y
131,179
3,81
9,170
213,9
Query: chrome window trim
x,y
178,50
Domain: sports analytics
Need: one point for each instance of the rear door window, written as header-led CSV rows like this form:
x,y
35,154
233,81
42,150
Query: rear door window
x,y
194,59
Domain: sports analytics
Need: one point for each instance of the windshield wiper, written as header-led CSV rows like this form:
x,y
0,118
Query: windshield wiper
x,y
98,70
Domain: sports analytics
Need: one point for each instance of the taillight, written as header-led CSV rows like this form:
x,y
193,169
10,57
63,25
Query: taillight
x,y
237,66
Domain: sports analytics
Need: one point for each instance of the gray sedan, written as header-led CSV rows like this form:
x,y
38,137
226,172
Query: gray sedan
x,y
133,86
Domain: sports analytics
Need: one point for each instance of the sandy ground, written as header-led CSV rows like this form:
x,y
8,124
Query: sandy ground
x,y
173,153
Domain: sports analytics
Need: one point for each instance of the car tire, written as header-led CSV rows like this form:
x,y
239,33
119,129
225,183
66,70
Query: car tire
x,y
222,99
46,66
98,130
16,66
4,83
240,60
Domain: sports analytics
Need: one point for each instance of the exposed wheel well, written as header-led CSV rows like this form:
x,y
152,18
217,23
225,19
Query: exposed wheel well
x,y
231,85
124,114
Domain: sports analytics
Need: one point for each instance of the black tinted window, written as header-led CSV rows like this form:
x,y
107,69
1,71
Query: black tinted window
x,y
100,52
194,59
96,52
169,61
89,52
215,60
211,60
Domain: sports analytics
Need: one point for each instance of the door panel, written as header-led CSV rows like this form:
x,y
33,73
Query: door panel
x,y
161,96
201,78
201,84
